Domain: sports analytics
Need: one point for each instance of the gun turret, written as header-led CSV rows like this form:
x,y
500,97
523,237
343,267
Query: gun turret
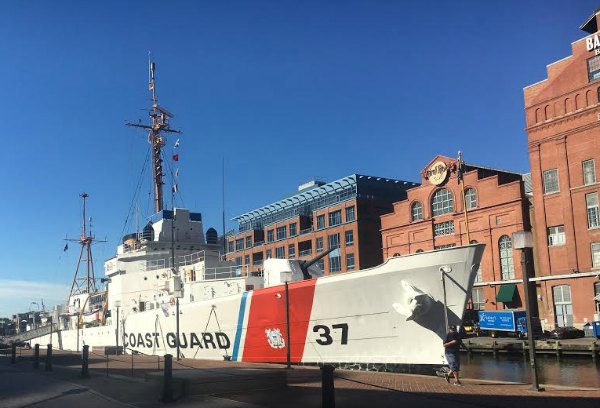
x,y
304,265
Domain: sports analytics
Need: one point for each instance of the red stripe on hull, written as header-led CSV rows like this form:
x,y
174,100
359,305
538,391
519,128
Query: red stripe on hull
x,y
267,315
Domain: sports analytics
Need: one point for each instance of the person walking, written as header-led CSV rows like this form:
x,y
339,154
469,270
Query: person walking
x,y
452,347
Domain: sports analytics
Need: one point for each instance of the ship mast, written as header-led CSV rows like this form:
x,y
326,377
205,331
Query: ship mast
x,y
87,282
159,124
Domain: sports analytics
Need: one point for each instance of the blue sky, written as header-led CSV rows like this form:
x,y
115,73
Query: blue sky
x,y
284,91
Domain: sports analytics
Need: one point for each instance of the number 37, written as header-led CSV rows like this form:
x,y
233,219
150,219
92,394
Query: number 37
x,y
325,336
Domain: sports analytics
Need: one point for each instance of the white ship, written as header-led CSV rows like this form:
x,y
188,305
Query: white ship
x,y
169,291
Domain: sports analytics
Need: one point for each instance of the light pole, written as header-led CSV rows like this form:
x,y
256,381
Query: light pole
x,y
523,240
117,304
444,270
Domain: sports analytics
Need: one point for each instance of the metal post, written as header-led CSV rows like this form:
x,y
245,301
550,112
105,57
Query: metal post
x,y
177,324
287,325
49,358
132,352
117,340
85,362
107,365
36,356
13,359
327,387
528,308
445,302
168,379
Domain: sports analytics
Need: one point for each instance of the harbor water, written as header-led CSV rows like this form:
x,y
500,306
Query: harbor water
x,y
572,371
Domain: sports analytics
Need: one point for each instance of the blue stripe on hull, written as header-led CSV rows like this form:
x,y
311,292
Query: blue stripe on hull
x,y
238,333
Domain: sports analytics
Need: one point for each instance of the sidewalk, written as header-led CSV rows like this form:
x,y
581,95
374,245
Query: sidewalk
x,y
22,386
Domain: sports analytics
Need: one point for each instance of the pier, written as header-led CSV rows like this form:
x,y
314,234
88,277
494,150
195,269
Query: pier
x,y
587,346
134,380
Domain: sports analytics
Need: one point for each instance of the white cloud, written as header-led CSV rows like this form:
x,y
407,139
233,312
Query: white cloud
x,y
16,295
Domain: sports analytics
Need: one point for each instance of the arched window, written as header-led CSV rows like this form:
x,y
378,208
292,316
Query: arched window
x,y
396,254
470,198
416,211
599,94
419,251
442,202
507,267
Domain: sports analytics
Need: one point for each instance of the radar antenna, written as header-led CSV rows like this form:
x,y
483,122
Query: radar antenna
x,y
160,123
85,283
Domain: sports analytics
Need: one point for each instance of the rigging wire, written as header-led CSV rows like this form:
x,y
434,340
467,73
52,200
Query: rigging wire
x,y
136,192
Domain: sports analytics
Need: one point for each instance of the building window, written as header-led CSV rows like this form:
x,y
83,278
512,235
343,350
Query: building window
x,y
563,306
556,235
319,244
589,172
470,198
239,244
333,241
477,299
270,236
249,242
292,251
293,232
593,68
551,181
320,265
280,252
419,251
320,221
349,262
507,267
350,216
349,238
247,260
281,233
269,254
230,246
596,255
591,201
335,218
442,202
443,228
335,261
238,261
416,211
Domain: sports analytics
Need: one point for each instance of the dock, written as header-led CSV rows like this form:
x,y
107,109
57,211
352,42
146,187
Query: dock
x,y
583,347
134,381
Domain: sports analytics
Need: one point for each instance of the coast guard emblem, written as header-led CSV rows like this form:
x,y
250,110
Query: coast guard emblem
x,y
275,338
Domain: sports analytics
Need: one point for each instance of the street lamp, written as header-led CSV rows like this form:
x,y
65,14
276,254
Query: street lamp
x,y
444,270
117,304
523,240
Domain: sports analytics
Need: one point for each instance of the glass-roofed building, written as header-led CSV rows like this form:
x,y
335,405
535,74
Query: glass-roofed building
x,y
343,213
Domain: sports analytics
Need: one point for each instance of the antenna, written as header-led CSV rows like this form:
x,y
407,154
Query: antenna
x,y
159,123
223,192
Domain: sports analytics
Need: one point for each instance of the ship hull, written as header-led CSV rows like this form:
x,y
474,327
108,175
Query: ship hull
x,y
354,319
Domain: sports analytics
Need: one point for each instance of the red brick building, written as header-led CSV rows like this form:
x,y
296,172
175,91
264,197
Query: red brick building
x,y
563,128
432,216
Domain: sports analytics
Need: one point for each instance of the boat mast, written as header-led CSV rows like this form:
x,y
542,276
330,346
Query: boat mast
x,y
160,123
87,282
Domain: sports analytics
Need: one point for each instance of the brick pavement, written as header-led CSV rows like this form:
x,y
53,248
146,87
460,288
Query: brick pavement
x,y
352,388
